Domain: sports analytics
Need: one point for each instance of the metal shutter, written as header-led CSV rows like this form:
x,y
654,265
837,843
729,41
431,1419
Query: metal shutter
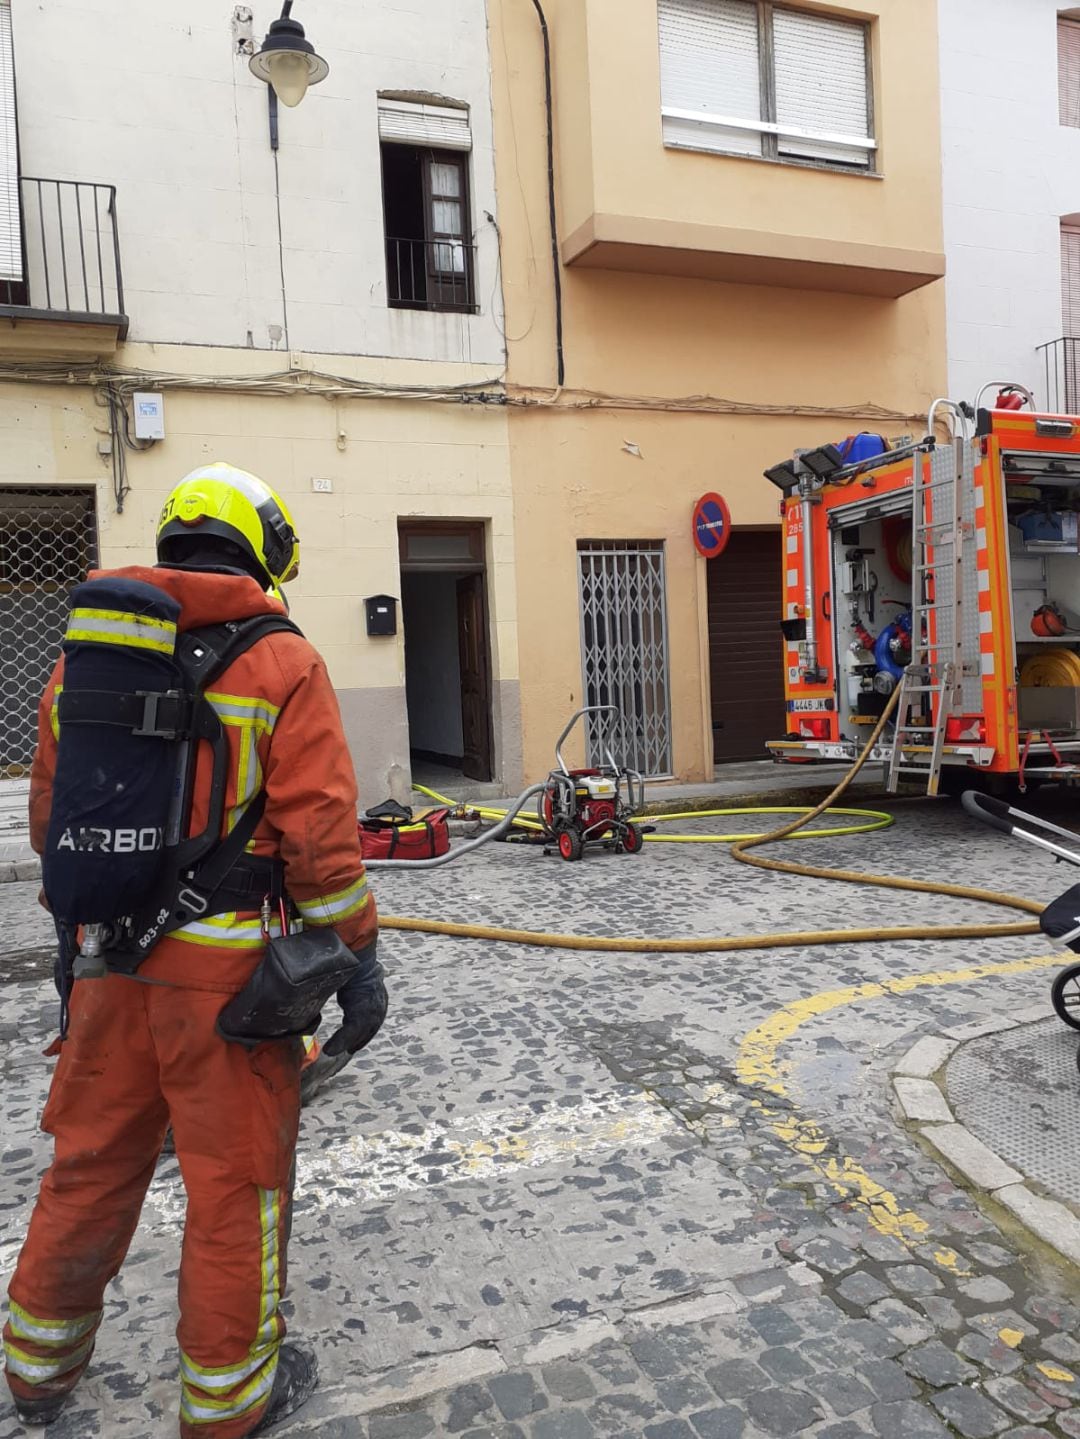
x,y
404,123
821,87
746,654
1069,72
10,226
709,64
1070,281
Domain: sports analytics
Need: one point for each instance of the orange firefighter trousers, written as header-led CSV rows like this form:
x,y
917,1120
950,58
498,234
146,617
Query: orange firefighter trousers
x,y
138,1057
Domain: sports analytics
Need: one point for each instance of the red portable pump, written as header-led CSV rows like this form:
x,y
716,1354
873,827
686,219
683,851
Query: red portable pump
x,y
579,807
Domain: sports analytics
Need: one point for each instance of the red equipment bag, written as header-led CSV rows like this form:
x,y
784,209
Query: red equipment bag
x,y
392,831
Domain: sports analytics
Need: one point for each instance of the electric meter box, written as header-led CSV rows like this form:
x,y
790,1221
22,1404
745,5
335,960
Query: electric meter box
x,y
149,415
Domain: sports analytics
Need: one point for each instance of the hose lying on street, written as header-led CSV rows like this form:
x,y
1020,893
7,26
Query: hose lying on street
x,y
635,944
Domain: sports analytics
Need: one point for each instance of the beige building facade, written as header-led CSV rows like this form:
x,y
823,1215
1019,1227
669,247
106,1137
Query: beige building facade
x,y
744,269
326,314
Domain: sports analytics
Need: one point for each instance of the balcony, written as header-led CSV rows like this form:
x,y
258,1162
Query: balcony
x,y
1061,376
68,298
431,275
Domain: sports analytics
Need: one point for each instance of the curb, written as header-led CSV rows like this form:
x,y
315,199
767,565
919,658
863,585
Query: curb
x,y
919,1088
20,871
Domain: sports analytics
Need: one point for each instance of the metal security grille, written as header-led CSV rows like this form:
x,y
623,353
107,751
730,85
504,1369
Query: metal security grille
x,y
624,649
48,541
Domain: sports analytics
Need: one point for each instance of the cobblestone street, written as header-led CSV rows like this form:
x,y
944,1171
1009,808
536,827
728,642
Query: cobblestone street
x,y
571,1194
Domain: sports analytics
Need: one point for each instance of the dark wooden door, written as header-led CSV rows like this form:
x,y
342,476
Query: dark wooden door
x,y
745,646
475,679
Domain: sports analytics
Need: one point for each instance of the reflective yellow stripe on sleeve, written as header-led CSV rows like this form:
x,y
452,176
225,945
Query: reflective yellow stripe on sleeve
x,y
333,908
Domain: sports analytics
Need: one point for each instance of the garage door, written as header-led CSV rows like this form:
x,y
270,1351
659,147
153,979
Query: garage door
x,y
745,608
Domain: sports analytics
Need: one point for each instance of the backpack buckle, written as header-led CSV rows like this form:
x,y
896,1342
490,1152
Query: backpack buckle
x,y
192,901
154,702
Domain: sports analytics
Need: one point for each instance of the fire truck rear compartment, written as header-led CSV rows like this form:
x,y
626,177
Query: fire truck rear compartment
x,y
871,572
1042,501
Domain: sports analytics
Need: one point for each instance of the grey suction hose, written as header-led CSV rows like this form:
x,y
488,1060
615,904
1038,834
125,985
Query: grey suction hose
x,y
460,850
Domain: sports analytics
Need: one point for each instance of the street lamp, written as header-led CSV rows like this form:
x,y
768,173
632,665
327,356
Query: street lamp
x,y
287,61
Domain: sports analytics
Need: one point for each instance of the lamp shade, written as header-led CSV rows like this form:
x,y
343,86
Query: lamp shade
x,y
288,62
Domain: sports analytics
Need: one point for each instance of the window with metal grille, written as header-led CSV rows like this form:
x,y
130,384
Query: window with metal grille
x,y
1069,71
425,170
748,77
48,542
624,651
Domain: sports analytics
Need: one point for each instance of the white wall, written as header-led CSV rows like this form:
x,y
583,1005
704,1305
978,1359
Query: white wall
x,y
152,97
1010,173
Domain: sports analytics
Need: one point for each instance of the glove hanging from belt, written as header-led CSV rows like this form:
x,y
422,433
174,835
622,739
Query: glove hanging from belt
x,y
364,1003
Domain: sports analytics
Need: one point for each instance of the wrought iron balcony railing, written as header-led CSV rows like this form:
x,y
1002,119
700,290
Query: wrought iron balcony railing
x,y
70,255
431,275
1061,375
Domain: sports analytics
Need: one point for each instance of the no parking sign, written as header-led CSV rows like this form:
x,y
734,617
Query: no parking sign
x,y
712,526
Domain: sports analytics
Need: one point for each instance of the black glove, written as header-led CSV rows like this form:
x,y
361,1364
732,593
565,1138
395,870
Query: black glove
x,y
364,1003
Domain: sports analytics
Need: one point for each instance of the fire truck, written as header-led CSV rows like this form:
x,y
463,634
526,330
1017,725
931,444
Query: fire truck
x,y
947,567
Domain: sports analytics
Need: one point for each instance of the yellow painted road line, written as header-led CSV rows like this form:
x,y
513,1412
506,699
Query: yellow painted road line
x,y
758,1066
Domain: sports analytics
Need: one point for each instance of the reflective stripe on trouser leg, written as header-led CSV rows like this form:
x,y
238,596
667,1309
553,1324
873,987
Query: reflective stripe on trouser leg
x,y
219,1395
46,1354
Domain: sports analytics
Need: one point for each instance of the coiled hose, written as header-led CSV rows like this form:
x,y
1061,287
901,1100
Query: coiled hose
x,y
636,944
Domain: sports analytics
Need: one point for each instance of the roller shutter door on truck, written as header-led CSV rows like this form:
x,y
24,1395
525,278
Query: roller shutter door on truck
x,y
746,655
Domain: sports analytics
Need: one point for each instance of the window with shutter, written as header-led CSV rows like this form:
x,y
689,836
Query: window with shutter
x,y
403,122
747,77
11,267
710,69
821,86
1069,71
1070,281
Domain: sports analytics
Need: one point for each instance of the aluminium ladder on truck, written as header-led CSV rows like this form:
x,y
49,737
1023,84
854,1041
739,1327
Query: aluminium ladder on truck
x,y
931,687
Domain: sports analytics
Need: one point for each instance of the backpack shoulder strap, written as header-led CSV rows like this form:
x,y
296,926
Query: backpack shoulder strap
x,y
204,653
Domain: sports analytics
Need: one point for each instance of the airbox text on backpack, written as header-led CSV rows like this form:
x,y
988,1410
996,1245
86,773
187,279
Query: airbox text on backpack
x,y
113,841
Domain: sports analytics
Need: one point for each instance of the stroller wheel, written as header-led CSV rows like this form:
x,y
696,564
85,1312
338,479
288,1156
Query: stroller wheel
x,y
1066,996
570,845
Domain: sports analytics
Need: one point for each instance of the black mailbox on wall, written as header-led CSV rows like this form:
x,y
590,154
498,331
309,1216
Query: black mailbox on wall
x,y
381,614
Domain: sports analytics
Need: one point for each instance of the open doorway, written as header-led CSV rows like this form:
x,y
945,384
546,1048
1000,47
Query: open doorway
x,y
447,654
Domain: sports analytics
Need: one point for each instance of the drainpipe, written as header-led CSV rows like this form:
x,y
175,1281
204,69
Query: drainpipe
x,y
560,359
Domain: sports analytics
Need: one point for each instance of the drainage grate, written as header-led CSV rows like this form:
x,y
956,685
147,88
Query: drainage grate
x,y
48,541
1019,1092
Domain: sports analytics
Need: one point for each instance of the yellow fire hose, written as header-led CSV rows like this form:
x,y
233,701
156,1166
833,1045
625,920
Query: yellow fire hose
x,y
633,944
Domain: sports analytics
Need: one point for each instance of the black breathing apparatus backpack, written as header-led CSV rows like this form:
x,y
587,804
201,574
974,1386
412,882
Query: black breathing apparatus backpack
x,y
132,713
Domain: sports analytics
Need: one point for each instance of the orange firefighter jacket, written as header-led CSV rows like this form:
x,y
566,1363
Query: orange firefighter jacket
x,y
283,726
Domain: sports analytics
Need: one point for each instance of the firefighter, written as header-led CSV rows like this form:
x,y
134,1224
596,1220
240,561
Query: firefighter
x,y
142,1051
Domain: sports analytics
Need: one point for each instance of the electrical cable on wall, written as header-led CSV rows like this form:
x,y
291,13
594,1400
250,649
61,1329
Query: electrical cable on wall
x,y
476,392
560,358
121,440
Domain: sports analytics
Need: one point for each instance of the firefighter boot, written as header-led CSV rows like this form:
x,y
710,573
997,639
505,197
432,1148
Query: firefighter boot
x,y
295,1382
36,1413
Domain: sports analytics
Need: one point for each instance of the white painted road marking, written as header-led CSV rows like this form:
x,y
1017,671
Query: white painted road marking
x,y
369,1169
